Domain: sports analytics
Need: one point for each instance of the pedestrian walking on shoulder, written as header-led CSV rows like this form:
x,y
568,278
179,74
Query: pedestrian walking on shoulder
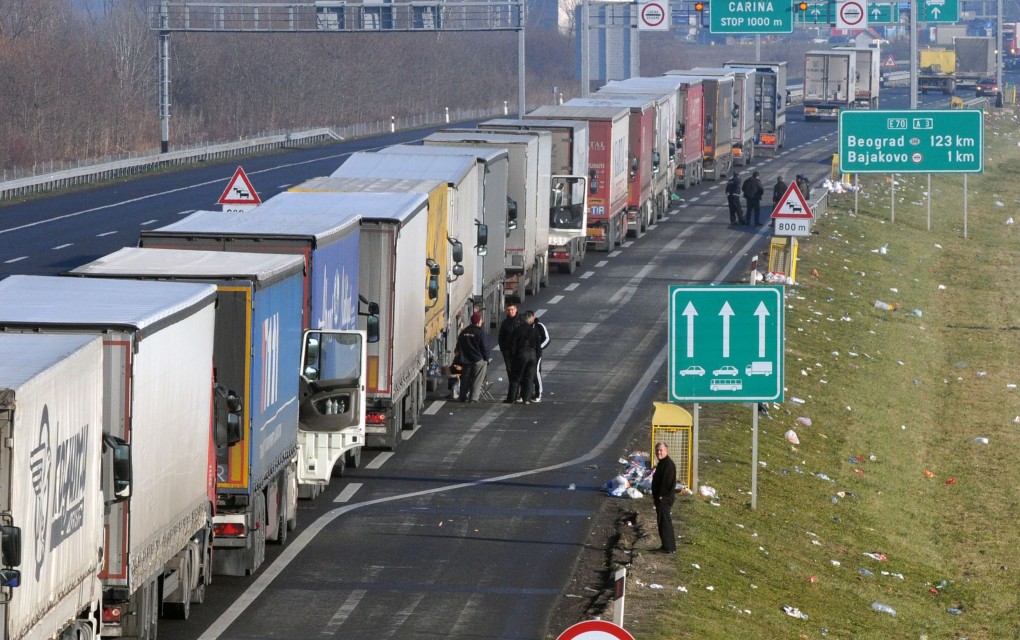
x,y
543,341
664,493
753,191
506,332
524,345
473,346
733,199
778,191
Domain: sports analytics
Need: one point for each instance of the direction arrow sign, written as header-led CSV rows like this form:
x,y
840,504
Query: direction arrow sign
x,y
850,14
752,16
938,11
818,13
239,191
725,343
938,141
883,13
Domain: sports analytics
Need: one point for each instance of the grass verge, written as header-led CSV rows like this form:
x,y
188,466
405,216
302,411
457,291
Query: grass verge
x,y
911,454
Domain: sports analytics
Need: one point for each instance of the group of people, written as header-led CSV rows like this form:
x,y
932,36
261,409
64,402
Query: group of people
x,y
752,190
522,337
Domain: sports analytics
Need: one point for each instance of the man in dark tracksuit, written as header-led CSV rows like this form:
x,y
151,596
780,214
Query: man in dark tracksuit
x,y
524,345
733,199
543,341
664,493
506,332
753,191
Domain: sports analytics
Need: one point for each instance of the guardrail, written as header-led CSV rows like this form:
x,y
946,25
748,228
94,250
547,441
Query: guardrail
x,y
79,175
794,94
895,78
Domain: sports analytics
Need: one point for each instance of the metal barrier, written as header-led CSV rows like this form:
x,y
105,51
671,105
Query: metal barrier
x,y
79,175
895,78
794,94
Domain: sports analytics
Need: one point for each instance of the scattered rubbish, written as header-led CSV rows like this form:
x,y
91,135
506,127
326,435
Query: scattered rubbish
x,y
882,607
835,563
571,487
877,556
822,476
634,493
865,572
635,475
709,588
999,203
812,579
796,400
791,437
654,586
794,612
954,611
885,306
916,313
682,589
706,491
804,421
928,474
1010,385
981,440
942,287
1009,220
695,565
762,464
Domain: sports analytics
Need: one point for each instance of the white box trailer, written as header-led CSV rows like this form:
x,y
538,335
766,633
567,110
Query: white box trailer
x,y
829,83
256,354
869,76
770,104
448,232
157,397
51,493
744,82
530,155
568,199
490,268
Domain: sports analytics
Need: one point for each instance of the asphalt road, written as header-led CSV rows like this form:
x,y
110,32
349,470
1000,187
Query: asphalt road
x,y
471,529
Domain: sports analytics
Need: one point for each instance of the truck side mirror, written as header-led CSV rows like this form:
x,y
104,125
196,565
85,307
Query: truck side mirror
x,y
120,468
672,151
372,317
10,547
458,270
511,214
458,251
229,410
9,578
655,161
482,239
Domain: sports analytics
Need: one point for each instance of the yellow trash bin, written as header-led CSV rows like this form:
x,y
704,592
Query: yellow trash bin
x,y
674,425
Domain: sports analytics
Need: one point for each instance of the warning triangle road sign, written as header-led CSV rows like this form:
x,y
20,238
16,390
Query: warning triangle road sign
x,y
793,205
890,61
239,191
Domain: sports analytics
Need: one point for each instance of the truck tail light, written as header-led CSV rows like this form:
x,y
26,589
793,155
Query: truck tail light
x,y
374,417
229,530
112,614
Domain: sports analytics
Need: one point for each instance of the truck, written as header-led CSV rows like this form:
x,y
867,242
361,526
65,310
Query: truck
x,y
829,83
769,104
608,144
328,242
868,80
530,155
568,197
663,91
743,113
717,149
975,59
937,70
255,354
51,509
159,489
640,155
492,228
450,226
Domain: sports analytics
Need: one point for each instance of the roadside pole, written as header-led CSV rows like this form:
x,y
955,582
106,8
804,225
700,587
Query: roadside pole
x,y
754,417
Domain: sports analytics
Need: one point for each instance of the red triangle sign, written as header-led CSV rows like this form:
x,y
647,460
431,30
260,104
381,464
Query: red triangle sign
x,y
239,190
793,205
890,61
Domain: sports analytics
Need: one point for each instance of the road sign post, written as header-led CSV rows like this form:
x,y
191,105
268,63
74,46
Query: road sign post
x,y
939,141
752,17
725,343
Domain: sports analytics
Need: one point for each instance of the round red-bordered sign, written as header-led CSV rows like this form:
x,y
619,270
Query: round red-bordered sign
x,y
851,13
595,630
653,14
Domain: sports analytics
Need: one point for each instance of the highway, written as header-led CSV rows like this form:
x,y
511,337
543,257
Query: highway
x,y
471,529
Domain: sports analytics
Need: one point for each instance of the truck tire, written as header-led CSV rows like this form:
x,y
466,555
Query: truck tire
x,y
181,610
354,458
257,553
281,525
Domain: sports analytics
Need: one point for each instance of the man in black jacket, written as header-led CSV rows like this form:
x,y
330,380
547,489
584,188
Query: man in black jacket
x,y
506,332
524,345
473,347
664,493
733,199
753,191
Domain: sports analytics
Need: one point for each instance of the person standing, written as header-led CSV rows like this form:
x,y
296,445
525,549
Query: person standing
x,y
664,493
524,346
543,340
506,332
804,186
733,199
753,191
473,346
778,191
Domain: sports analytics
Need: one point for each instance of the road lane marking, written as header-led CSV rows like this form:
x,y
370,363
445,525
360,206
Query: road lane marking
x,y
348,492
694,199
539,312
63,246
571,286
586,275
613,254
601,263
147,222
108,233
554,300
379,460
16,259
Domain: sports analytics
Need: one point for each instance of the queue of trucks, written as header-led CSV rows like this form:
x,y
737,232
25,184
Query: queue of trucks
x,y
944,69
164,407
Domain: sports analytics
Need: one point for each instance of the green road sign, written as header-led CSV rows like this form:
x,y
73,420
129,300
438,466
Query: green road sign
x,y
818,13
725,343
879,13
751,16
941,141
938,10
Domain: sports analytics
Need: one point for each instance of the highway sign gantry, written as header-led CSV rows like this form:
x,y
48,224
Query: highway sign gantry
x,y
902,141
751,16
818,13
726,343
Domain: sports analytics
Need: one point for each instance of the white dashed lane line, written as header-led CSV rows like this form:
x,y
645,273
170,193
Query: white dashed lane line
x,y
379,460
108,233
571,286
601,263
63,246
586,275
614,253
15,259
148,222
555,299
348,492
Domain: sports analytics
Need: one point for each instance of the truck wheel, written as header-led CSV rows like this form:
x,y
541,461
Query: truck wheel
x,y
181,610
281,525
354,458
257,553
